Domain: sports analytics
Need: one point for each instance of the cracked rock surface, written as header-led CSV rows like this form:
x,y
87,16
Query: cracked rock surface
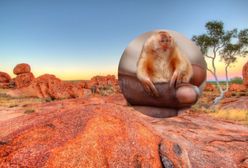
x,y
106,132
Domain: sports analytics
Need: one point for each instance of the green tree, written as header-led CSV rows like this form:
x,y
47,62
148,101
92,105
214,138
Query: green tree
x,y
227,45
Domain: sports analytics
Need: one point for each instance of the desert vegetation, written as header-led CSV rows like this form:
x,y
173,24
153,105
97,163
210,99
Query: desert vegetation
x,y
227,45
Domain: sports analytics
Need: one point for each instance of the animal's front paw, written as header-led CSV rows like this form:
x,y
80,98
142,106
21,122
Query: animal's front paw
x,y
149,87
178,78
185,77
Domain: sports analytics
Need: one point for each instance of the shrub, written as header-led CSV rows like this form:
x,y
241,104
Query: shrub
x,y
28,111
237,80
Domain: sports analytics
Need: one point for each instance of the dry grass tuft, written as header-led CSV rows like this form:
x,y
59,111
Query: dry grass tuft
x,y
233,115
29,111
8,101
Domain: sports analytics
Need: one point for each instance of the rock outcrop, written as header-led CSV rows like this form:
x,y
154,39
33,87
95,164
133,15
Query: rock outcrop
x,y
104,85
89,135
22,68
24,75
4,85
105,132
4,77
49,86
209,87
4,80
234,103
24,79
245,74
237,87
236,90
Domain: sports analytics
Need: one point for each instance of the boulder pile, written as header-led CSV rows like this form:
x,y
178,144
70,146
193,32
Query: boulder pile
x,y
49,86
24,75
104,85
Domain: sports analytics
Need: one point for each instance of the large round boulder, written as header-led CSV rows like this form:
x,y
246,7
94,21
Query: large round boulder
x,y
4,77
22,68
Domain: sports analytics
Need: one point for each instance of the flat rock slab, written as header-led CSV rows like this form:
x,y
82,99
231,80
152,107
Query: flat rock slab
x,y
207,142
106,132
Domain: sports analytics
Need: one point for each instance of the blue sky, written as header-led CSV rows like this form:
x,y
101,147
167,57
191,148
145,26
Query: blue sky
x,y
79,39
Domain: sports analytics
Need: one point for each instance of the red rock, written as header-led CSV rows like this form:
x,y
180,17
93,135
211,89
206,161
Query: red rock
x,y
245,74
240,103
89,135
4,77
228,94
104,85
101,132
23,80
22,68
104,80
209,87
48,86
237,87
4,85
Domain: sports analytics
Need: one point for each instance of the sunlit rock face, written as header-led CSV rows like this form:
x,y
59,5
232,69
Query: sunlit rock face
x,y
4,77
103,131
49,86
22,68
24,79
4,80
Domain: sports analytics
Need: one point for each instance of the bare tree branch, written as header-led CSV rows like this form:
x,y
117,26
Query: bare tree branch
x,y
227,79
209,56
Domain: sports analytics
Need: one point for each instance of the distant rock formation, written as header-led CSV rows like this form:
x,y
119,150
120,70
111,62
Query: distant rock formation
x,y
4,77
209,87
24,75
49,86
245,74
24,79
237,87
22,68
4,80
104,85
